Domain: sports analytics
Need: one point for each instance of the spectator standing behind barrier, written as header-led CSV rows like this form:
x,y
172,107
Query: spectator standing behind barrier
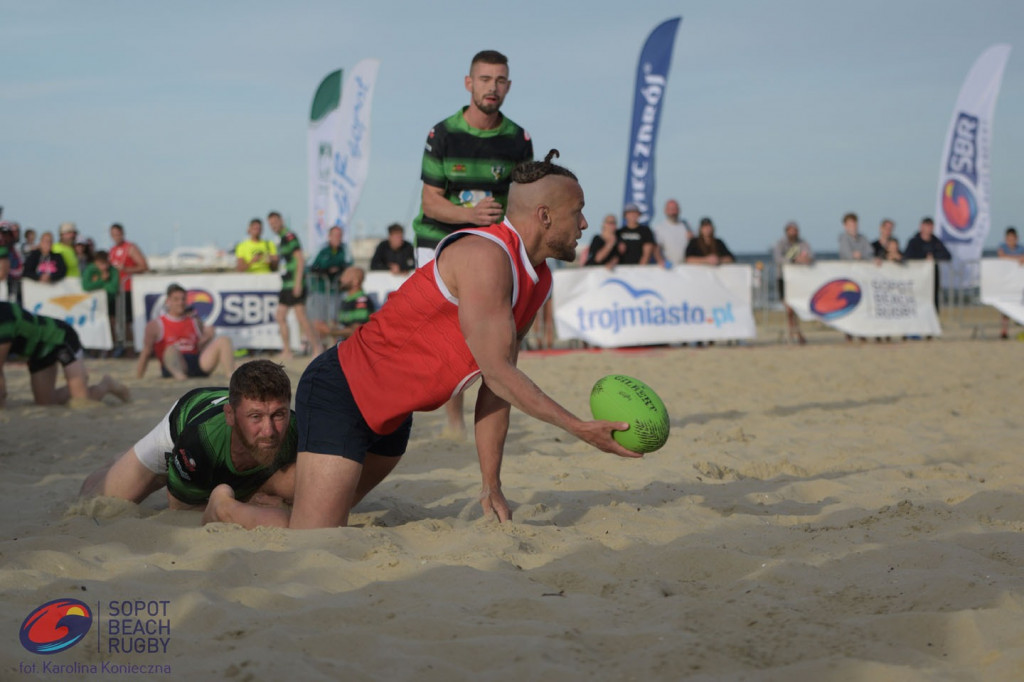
x,y
672,234
182,345
636,244
65,248
43,342
852,244
330,262
255,254
926,246
129,260
791,250
1010,248
880,247
706,248
394,254
100,275
466,171
43,265
602,249
8,252
356,307
293,287
29,244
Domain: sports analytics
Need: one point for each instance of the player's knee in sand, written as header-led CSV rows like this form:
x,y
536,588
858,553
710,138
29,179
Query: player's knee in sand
x,y
174,361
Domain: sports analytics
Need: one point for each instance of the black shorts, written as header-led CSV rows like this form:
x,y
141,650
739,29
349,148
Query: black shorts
x,y
192,368
286,297
329,421
782,290
65,354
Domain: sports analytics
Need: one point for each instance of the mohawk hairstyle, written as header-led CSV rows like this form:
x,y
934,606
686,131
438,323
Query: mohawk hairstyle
x,y
532,171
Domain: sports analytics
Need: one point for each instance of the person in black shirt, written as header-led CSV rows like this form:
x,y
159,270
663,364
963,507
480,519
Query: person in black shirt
x,y
636,241
926,246
602,246
706,248
394,253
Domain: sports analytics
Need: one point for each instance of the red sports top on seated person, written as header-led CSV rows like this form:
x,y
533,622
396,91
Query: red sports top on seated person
x,y
182,332
411,354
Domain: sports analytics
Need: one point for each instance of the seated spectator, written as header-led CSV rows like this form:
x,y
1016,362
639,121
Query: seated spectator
x,y
43,265
44,342
706,248
394,253
636,244
926,246
852,244
356,307
101,275
1010,248
602,247
256,254
182,345
330,262
791,250
880,247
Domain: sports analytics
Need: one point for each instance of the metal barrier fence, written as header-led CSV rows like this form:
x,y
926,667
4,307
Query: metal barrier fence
x,y
324,298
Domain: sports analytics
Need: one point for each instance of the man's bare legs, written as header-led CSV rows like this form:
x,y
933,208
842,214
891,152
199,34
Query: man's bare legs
x,y
45,391
219,352
174,363
315,347
126,478
326,489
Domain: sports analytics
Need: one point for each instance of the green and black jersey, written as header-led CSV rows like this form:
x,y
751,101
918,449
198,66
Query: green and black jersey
x,y
201,459
286,250
468,164
31,336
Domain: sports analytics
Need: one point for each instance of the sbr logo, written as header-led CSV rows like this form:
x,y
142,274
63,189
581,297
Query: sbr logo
x,y
959,205
56,626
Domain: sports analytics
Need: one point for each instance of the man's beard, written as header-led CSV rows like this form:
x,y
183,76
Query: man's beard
x,y
488,108
263,452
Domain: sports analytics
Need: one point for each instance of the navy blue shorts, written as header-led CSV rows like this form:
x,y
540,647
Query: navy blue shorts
x,y
65,354
329,420
192,368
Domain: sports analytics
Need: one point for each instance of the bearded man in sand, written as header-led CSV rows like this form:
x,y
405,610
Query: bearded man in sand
x,y
43,342
242,436
460,318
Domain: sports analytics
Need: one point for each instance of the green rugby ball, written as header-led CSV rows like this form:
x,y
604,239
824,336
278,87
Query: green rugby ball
x,y
619,398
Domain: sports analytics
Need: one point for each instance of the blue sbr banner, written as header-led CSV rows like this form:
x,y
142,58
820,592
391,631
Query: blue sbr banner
x,y
651,79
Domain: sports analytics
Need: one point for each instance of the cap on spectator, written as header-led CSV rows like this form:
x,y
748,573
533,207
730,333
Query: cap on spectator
x,y
67,227
631,207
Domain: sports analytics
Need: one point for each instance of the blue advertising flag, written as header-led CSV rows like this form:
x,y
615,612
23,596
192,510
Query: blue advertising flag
x,y
651,79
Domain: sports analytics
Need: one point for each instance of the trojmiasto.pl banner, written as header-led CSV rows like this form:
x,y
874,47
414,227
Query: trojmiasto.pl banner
x,y
1002,287
865,299
638,305
86,311
240,306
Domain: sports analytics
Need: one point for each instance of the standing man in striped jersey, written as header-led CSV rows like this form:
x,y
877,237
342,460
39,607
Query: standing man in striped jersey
x,y
467,169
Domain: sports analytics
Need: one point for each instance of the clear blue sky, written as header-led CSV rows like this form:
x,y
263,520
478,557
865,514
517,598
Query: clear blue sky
x,y
194,114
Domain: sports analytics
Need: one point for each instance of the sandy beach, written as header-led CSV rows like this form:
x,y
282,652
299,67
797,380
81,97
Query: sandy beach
x,y
838,511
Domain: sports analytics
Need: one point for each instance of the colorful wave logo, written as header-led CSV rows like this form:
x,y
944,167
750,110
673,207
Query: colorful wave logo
x,y
201,301
959,205
56,626
835,299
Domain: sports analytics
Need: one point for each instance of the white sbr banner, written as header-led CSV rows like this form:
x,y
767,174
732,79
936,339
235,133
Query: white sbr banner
x,y
1002,286
240,306
86,311
865,299
638,305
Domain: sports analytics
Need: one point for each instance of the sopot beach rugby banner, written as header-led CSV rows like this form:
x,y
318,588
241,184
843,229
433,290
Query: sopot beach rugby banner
x,y
962,214
637,305
339,149
865,299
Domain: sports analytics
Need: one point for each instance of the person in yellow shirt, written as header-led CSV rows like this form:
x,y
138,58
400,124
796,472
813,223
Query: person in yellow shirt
x,y
256,254
65,248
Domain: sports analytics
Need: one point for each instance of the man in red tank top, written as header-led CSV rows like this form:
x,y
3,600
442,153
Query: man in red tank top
x,y
457,319
129,260
181,344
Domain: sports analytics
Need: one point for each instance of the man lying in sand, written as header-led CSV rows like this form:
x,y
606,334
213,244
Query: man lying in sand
x,y
242,437
43,342
451,322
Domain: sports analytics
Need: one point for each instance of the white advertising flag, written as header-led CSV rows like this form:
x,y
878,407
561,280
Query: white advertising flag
x,y
962,215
